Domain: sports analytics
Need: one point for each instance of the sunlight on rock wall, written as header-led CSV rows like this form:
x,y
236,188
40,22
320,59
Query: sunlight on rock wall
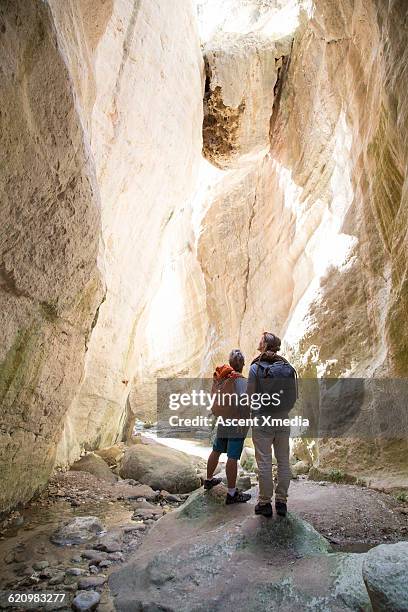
x,y
147,150
182,176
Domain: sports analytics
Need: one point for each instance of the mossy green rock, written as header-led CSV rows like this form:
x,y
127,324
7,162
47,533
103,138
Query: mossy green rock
x,y
207,556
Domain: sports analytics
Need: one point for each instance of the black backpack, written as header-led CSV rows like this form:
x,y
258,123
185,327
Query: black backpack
x,y
279,378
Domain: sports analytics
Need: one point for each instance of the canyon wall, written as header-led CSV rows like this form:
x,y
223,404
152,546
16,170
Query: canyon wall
x,y
102,131
146,127
50,252
309,239
164,202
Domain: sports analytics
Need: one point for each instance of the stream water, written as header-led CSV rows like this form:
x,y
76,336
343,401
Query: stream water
x,y
199,448
27,540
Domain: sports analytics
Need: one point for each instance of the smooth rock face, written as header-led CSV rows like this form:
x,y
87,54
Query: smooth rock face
x,y
82,201
385,570
50,279
94,465
304,239
147,156
80,529
362,43
161,468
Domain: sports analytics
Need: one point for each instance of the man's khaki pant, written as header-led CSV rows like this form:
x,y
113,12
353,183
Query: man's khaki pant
x,y
263,440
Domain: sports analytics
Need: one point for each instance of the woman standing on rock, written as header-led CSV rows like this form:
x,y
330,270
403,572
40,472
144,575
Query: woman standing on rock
x,y
226,441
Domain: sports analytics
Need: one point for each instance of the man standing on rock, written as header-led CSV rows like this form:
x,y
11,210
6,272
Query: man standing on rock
x,y
229,377
272,374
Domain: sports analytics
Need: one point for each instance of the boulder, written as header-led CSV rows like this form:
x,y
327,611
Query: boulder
x,y
251,563
78,530
385,571
300,451
300,467
112,454
125,491
244,482
95,465
160,467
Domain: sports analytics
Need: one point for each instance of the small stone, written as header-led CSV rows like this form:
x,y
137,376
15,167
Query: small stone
x,y
70,587
89,582
96,556
78,530
40,565
110,546
106,563
130,481
76,560
137,527
74,571
57,579
170,497
149,512
9,558
46,573
116,556
19,556
93,569
86,600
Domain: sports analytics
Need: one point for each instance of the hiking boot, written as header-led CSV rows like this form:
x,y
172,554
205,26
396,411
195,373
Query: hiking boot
x,y
213,482
264,509
237,498
280,507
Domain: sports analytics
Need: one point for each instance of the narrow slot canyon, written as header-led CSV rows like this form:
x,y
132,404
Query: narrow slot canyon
x,y
178,176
